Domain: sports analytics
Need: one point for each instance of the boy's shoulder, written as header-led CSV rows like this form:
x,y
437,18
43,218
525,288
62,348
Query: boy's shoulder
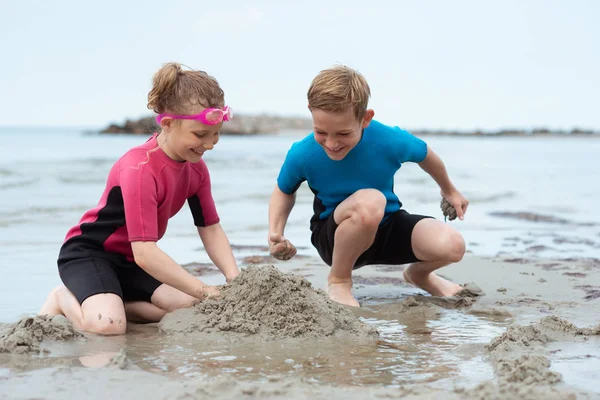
x,y
306,147
384,131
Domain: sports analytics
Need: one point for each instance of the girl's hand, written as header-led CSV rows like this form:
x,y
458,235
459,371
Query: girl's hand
x,y
211,292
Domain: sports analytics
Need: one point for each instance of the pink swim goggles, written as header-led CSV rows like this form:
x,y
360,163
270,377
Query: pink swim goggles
x,y
210,116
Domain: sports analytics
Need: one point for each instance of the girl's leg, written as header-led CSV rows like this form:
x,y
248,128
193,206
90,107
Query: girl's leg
x,y
143,311
168,299
102,313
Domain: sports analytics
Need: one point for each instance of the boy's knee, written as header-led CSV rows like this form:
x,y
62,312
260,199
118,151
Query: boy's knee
x,y
105,326
370,207
455,246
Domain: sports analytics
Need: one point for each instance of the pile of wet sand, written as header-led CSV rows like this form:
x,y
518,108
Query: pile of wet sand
x,y
25,335
265,302
521,362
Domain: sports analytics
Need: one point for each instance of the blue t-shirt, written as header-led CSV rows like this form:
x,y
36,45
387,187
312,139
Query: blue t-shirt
x,y
371,164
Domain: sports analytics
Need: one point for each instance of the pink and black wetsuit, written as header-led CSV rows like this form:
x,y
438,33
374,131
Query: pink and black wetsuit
x,y
144,189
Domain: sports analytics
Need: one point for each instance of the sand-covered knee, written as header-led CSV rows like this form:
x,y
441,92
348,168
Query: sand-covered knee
x,y
25,335
262,301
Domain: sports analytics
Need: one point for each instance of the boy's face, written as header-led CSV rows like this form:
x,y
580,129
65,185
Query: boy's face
x,y
339,132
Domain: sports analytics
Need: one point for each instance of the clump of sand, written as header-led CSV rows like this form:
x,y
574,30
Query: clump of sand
x,y
25,335
448,210
519,356
265,302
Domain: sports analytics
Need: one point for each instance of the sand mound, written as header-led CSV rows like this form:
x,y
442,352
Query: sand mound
x,y
413,306
528,369
517,338
264,301
553,325
25,335
491,391
465,298
519,356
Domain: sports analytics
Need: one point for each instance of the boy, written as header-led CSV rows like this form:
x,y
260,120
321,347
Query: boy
x,y
349,162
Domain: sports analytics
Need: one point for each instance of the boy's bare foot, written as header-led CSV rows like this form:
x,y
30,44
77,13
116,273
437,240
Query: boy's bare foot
x,y
50,307
341,292
430,282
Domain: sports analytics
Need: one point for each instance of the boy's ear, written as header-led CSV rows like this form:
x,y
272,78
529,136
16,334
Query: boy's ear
x,y
369,114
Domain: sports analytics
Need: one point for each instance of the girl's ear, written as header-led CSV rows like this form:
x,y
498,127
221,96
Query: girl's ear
x,y
166,123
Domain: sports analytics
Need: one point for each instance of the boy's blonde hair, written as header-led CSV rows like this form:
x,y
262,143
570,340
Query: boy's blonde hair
x,y
338,88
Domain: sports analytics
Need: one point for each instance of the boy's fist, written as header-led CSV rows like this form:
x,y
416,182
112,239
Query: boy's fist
x,y
280,247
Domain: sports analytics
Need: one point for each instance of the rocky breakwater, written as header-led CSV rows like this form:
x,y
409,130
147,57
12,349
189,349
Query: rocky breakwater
x,y
242,124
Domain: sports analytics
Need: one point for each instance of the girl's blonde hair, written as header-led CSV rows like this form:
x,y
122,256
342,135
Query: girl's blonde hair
x,y
179,91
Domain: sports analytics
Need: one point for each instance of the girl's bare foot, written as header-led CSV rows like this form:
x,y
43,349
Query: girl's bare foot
x,y
341,292
430,282
51,307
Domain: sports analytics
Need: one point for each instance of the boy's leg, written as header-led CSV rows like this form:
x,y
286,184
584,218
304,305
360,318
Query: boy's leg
x,y
358,219
438,245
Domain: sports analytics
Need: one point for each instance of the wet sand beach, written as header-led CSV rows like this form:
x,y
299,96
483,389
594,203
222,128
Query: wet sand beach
x,y
531,333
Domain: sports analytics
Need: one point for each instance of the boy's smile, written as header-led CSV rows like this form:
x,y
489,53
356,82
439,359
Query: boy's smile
x,y
339,132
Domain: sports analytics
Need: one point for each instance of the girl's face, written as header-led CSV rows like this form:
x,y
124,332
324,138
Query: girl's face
x,y
187,140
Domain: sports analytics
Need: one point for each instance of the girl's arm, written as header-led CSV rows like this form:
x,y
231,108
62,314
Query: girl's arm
x,y
160,266
219,250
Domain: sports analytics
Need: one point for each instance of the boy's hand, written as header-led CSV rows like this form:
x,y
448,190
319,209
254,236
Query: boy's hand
x,y
280,247
458,201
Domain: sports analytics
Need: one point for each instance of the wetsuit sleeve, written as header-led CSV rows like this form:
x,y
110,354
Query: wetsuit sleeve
x,y
202,204
291,174
409,147
139,190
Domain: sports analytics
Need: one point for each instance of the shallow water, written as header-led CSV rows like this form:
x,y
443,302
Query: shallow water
x,y
48,178
411,349
47,187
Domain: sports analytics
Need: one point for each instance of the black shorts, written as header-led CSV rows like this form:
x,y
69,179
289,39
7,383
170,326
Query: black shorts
x,y
88,276
392,245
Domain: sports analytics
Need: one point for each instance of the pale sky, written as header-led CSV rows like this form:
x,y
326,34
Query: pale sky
x,y
430,64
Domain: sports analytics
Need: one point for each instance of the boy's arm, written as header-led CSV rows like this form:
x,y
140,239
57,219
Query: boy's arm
x,y
163,268
280,207
219,251
434,166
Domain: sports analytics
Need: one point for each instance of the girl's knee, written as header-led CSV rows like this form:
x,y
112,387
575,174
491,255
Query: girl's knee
x,y
103,325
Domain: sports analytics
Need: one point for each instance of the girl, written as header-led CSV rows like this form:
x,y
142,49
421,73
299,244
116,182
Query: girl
x,y
110,264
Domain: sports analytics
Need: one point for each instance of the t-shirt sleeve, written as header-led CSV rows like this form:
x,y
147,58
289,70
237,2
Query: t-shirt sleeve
x,y
201,203
139,191
291,174
408,147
